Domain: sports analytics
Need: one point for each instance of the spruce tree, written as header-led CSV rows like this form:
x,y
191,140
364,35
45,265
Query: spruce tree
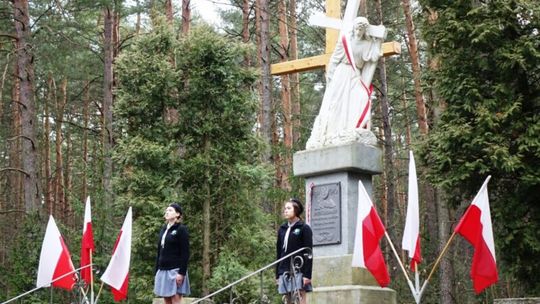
x,y
487,69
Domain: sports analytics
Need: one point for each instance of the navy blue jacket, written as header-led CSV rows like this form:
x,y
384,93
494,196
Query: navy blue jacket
x,y
175,253
300,236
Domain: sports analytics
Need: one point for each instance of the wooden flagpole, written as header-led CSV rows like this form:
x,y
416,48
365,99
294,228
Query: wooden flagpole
x,y
99,292
409,282
437,263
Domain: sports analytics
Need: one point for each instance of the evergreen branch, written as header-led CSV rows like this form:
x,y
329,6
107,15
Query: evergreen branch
x,y
39,17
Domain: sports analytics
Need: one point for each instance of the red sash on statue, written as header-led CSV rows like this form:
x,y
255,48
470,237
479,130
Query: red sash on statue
x,y
363,120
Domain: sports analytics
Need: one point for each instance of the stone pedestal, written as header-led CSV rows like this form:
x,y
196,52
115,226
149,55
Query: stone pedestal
x,y
331,179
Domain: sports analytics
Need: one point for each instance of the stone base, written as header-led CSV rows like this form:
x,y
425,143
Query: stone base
x,y
337,271
335,281
352,294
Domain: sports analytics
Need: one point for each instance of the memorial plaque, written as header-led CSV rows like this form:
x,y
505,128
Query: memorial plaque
x,y
325,214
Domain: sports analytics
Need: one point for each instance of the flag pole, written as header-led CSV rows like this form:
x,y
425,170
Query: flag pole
x,y
99,292
91,280
437,262
409,282
416,279
83,292
57,279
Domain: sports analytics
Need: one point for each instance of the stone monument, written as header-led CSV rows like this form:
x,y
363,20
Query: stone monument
x,y
332,175
340,152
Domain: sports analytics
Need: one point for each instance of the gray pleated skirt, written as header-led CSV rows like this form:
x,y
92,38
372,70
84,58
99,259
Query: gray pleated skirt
x,y
287,283
165,284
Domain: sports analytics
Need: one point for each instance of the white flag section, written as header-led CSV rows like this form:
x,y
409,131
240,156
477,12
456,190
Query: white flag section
x,y
55,260
411,234
117,273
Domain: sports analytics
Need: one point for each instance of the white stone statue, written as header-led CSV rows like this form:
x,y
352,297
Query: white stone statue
x,y
345,113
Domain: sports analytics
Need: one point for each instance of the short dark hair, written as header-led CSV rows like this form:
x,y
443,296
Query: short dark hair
x,y
177,208
297,206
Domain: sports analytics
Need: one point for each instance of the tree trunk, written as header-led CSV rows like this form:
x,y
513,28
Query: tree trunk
x,y
15,178
206,261
86,104
286,159
48,183
276,157
68,210
169,12
436,205
265,117
137,22
186,17
59,172
294,78
3,82
245,27
108,138
408,135
362,8
415,62
27,106
116,39
446,272
388,145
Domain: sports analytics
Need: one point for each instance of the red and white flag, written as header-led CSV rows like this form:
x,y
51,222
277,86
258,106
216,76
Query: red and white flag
x,y
117,273
475,227
369,231
55,260
87,243
411,234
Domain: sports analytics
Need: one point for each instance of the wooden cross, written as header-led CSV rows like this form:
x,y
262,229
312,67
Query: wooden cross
x,y
333,10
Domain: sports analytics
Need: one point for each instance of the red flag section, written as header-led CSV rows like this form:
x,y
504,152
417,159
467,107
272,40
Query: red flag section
x,y
87,243
121,294
475,227
369,231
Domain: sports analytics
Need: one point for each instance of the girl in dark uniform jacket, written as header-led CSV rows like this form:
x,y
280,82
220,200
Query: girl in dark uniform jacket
x,y
293,235
172,281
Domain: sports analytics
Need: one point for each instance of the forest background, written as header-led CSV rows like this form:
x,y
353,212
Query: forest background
x,y
139,103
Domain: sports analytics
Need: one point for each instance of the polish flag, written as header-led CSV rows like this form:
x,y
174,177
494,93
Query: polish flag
x,y
55,260
117,273
87,243
369,231
411,234
475,227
